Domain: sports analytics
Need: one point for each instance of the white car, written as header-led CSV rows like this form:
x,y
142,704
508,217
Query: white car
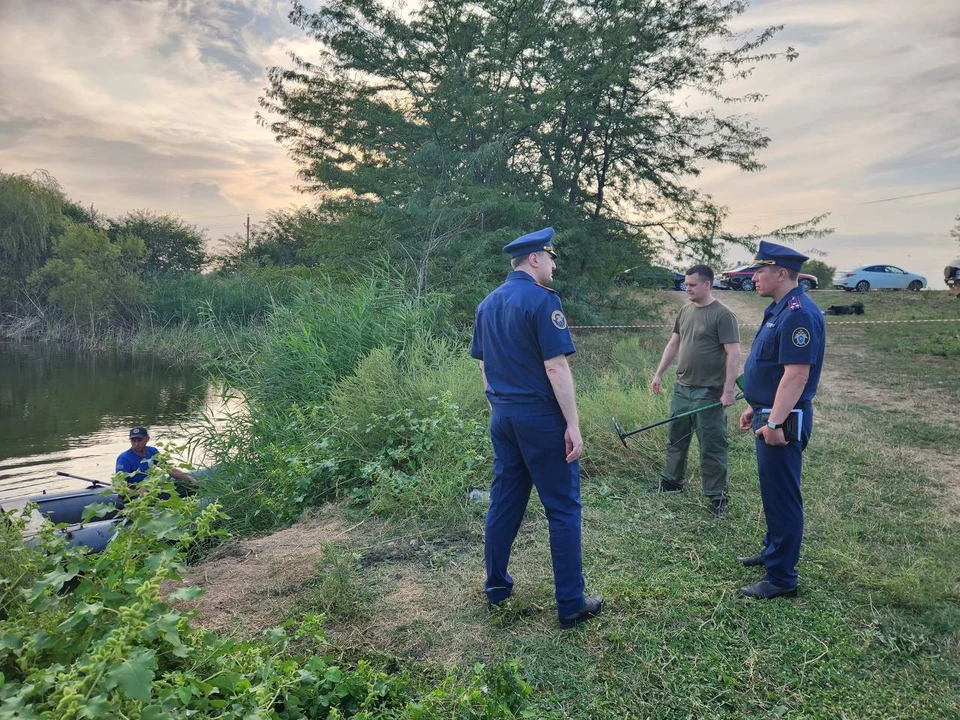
x,y
878,277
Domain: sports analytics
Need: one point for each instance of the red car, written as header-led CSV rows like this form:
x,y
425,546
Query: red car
x,y
743,280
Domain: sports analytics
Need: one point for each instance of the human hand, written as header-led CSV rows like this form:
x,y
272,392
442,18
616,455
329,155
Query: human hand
x,y
655,384
573,442
772,436
728,398
746,419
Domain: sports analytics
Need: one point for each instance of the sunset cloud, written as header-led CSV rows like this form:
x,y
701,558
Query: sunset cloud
x,y
150,103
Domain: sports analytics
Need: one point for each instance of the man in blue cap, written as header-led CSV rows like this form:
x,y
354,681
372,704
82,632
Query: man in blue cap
x,y
522,341
780,380
135,462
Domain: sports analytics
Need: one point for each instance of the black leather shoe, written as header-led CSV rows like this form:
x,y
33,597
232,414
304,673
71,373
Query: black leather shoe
x,y
592,605
718,506
766,590
666,487
752,561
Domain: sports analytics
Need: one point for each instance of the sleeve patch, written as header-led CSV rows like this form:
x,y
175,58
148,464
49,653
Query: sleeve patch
x,y
801,337
559,321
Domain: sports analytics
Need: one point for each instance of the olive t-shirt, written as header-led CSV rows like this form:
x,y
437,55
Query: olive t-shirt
x,y
702,361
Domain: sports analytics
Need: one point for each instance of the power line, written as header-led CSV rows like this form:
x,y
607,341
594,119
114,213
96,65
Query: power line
x,y
901,197
787,211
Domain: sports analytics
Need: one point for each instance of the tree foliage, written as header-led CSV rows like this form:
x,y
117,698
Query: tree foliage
x,y
172,245
823,272
955,232
340,237
466,124
91,279
30,217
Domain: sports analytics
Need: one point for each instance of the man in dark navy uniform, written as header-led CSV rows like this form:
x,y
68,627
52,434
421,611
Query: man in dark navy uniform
x,y
780,380
522,341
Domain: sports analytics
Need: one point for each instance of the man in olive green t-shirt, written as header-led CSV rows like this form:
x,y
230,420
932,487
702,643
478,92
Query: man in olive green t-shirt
x,y
707,339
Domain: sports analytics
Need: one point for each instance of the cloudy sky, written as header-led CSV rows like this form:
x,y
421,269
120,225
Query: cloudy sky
x,y
150,103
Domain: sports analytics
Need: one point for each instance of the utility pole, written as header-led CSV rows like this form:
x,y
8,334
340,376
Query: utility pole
x,y
248,232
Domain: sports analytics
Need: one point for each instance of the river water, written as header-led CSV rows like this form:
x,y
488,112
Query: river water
x,y
70,411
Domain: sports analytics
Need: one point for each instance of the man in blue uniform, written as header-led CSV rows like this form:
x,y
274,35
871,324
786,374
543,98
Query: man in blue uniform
x,y
522,341
780,380
139,458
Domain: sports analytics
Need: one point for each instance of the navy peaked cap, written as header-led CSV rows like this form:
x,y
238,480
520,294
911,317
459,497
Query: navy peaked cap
x,y
772,254
531,242
138,432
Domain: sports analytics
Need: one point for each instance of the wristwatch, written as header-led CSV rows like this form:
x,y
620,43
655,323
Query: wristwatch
x,y
773,426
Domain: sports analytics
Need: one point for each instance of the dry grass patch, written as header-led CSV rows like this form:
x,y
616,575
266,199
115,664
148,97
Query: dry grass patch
x,y
422,598
253,584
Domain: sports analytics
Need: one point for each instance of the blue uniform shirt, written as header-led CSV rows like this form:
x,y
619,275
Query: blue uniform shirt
x,y
792,333
518,326
130,462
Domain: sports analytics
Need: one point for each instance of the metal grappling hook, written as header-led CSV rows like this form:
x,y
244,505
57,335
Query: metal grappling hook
x,y
623,435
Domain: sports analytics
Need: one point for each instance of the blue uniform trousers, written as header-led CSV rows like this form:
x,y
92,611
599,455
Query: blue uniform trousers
x,y
528,450
779,469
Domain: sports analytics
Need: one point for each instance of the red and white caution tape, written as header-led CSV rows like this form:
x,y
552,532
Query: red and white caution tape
x,y
841,322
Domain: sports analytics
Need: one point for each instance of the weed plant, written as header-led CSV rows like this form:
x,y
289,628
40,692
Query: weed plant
x,y
320,336
92,636
240,299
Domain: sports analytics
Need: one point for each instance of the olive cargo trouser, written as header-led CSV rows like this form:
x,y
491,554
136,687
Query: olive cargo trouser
x,y
710,427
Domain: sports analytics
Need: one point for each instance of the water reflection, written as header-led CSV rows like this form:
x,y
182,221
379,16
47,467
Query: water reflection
x,y
63,410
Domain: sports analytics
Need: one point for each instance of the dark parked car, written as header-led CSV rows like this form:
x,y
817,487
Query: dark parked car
x,y
743,280
652,277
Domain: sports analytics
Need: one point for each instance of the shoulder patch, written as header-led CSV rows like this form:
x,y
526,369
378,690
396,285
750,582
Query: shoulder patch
x,y
559,321
794,303
801,337
549,289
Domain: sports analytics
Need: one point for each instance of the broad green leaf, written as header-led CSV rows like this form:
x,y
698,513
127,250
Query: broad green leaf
x,y
14,708
97,510
96,707
53,580
10,641
155,712
186,593
134,676
165,527
227,681
82,614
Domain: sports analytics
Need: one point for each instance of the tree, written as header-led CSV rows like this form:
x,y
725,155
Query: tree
x,y
955,233
172,246
466,124
334,236
823,272
30,217
90,278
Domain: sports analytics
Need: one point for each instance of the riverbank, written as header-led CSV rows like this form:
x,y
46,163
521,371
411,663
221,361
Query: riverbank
x,y
180,344
367,429
875,631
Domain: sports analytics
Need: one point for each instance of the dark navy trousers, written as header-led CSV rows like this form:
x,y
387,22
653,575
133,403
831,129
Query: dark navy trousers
x,y
529,450
779,469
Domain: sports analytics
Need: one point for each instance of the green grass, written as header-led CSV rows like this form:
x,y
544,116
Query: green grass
x,y
875,632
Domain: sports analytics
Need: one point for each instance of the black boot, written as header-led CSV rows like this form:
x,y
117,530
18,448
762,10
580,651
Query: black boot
x,y
592,605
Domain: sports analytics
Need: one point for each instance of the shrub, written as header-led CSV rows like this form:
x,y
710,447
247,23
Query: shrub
x,y
90,279
113,647
321,335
